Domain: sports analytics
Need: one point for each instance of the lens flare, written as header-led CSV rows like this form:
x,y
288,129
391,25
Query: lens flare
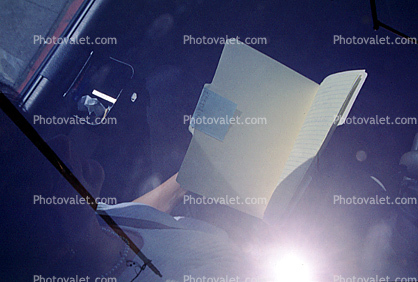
x,y
290,268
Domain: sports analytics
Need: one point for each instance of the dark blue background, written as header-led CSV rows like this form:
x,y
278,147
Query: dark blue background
x,y
150,140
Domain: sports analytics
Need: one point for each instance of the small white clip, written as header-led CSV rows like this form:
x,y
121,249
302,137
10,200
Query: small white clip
x,y
133,97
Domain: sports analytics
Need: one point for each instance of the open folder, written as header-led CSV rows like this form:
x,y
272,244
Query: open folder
x,y
258,127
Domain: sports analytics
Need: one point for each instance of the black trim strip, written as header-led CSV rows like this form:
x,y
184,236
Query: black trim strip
x,y
377,24
136,222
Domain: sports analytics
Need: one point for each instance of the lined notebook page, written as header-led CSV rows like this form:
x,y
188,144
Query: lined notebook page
x,y
335,97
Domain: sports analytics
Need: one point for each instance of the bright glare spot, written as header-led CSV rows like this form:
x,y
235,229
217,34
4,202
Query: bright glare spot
x,y
291,268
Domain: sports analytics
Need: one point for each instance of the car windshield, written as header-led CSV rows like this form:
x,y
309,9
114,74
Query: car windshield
x,y
108,100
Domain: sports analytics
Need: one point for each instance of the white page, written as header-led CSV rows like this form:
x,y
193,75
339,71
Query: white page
x,y
335,97
328,102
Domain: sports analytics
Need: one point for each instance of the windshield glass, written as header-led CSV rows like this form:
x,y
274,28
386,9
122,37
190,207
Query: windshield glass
x,y
122,91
